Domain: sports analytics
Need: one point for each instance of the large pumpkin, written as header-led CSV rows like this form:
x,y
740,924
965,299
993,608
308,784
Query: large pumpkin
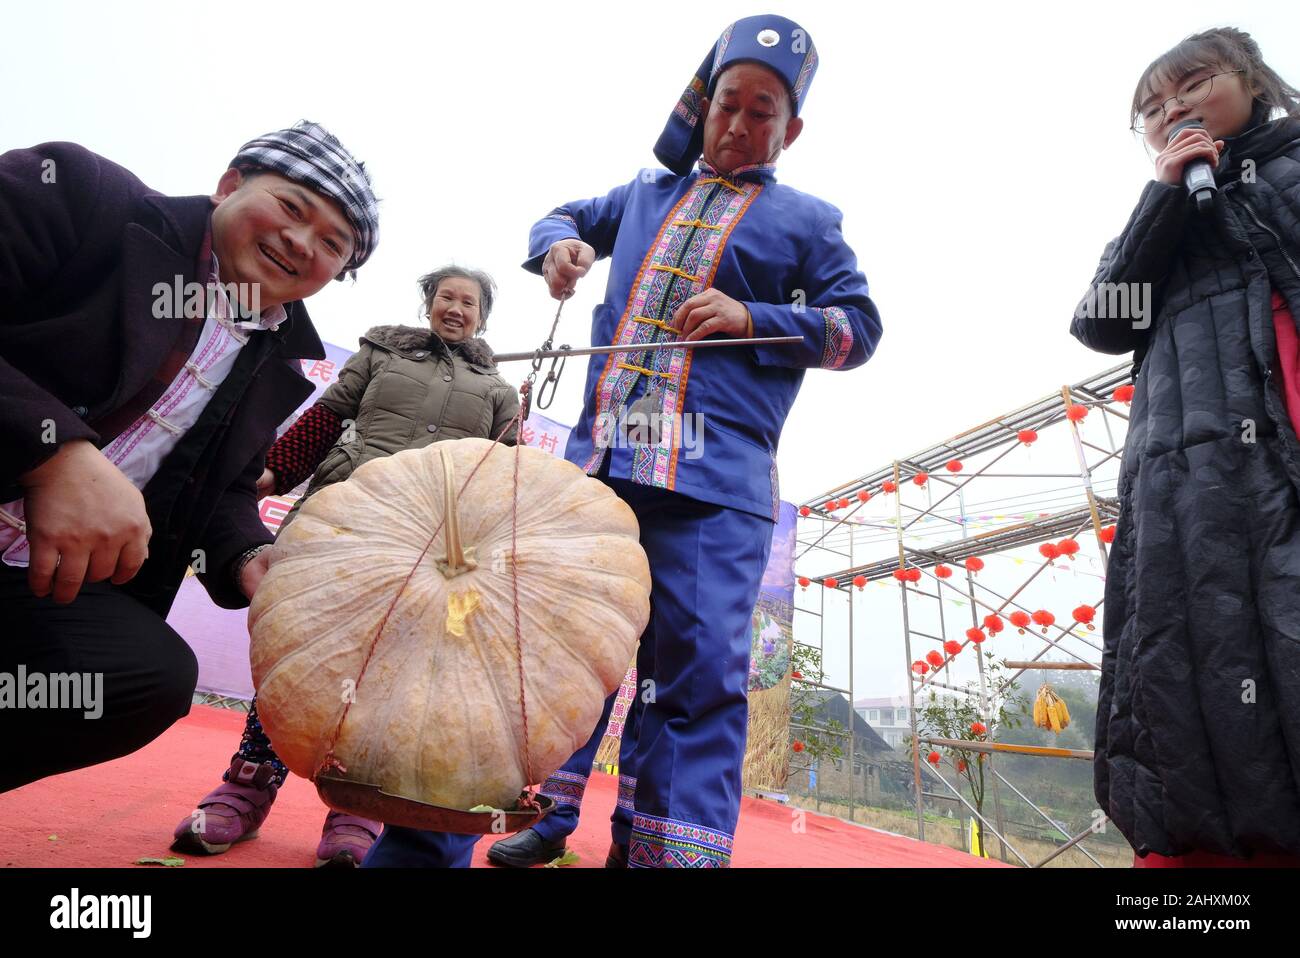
x,y
437,715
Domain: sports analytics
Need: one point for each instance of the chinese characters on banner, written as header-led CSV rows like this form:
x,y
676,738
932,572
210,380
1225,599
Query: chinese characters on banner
x,y
319,370
545,434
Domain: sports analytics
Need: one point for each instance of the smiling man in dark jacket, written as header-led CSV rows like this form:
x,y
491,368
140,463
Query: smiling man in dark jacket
x,y
149,348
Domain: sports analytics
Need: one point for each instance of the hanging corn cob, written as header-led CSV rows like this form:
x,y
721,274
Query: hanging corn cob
x,y
1050,710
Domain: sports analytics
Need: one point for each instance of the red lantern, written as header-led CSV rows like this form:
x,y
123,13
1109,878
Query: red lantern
x,y
975,635
978,728
830,506
1108,534
830,583
844,503
920,478
863,495
994,624
953,465
1019,620
952,646
1049,551
1085,614
889,485
974,564
804,582
961,765
1123,393
797,746
1044,618
900,575
860,581
805,511
913,575
942,571
796,675
1027,436
1075,412
920,668
934,658
934,758
1068,548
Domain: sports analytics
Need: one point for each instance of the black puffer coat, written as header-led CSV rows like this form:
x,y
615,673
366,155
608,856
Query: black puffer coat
x,y
1198,722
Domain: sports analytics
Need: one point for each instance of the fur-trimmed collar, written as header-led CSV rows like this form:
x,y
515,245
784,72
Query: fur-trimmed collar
x,y
411,338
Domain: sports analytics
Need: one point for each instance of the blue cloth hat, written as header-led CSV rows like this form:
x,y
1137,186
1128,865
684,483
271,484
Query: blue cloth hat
x,y
777,43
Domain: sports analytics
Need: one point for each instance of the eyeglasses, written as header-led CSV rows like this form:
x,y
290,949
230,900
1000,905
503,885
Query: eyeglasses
x,y
1194,91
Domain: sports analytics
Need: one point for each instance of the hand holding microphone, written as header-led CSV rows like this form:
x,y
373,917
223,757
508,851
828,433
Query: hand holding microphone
x,y
1190,158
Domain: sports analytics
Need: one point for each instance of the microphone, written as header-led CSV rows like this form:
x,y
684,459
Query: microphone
x,y
1198,175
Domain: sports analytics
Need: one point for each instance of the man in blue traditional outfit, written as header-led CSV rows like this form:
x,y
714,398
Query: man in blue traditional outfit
x,y
718,249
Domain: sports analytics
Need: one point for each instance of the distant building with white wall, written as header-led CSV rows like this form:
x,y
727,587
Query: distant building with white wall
x,y
888,717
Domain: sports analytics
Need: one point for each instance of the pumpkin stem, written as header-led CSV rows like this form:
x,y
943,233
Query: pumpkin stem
x,y
458,560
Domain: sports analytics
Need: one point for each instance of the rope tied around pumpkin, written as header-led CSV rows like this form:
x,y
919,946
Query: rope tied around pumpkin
x,y
458,560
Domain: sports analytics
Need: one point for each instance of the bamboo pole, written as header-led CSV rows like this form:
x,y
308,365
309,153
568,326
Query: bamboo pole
x,y
1065,666
992,747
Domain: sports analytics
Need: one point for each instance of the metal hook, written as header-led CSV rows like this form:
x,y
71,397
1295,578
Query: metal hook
x,y
552,379
545,398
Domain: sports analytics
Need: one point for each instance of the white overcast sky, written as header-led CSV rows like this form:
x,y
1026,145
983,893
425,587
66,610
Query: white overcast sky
x,y
979,152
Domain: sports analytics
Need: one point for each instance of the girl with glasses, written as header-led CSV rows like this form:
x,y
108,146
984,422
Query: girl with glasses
x,y
1198,719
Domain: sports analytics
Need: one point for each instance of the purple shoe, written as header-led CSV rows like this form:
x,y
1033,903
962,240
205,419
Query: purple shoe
x,y
232,812
345,839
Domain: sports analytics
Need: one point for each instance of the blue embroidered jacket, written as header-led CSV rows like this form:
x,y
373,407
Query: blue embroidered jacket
x,y
778,251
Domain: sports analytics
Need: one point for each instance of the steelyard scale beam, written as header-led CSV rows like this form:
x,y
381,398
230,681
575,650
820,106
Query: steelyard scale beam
x,y
564,351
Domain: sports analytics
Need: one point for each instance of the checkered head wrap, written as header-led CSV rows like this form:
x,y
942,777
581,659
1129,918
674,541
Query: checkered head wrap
x,y
311,155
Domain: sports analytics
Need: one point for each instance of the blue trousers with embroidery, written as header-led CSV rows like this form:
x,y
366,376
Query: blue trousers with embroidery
x,y
567,784
706,566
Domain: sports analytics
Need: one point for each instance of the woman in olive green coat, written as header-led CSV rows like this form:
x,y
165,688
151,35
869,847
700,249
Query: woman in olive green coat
x,y
406,387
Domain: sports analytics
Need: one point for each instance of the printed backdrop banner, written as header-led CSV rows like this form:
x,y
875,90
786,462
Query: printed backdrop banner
x,y
767,745
773,619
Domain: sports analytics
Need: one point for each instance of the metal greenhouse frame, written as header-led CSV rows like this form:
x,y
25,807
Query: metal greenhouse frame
x,y
997,438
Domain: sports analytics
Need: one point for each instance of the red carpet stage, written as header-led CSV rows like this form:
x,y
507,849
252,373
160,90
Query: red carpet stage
x,y
111,815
